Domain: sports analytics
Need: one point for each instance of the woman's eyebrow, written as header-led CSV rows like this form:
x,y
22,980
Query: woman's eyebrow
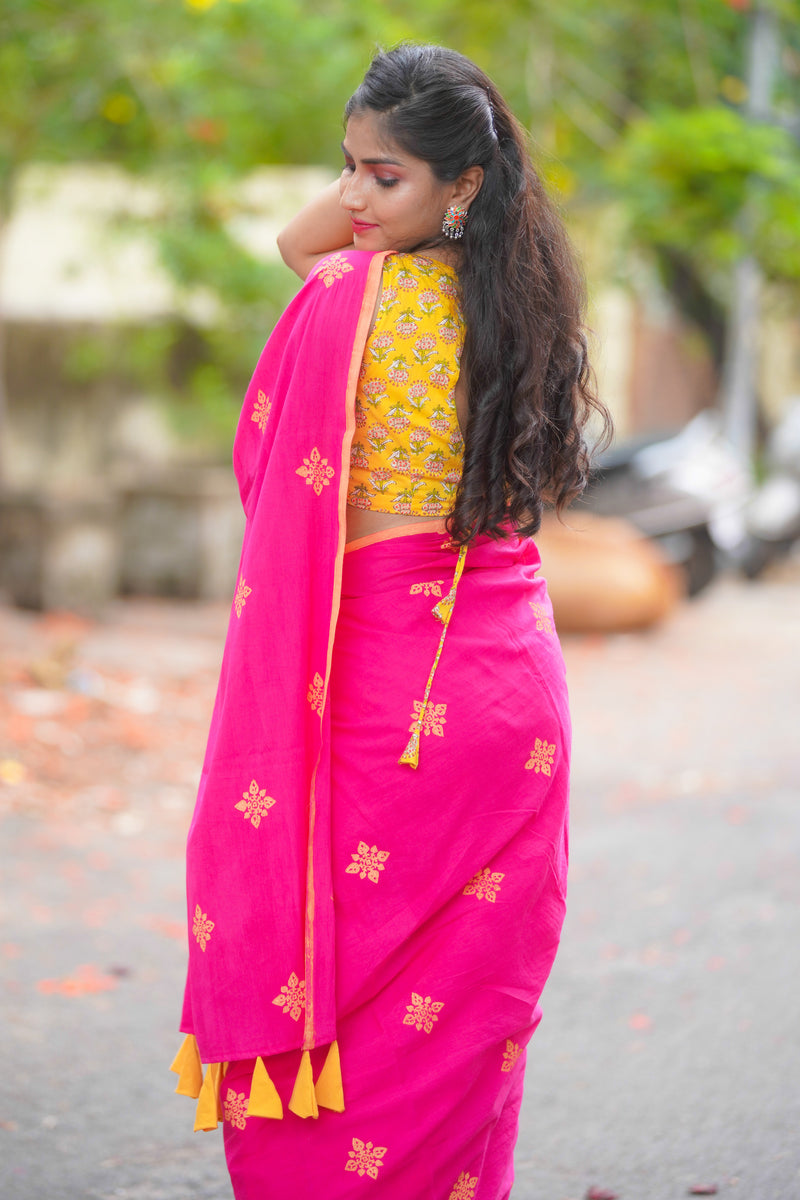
x,y
375,162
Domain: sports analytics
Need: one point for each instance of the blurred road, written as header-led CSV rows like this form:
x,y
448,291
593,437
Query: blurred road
x,y
669,1054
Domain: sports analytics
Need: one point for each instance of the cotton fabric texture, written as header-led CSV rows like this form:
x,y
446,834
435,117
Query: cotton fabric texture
x,y
346,907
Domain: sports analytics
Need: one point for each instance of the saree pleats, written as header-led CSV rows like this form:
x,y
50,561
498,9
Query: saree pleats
x,y
448,882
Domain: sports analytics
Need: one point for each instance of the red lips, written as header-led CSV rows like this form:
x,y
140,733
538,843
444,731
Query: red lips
x,y
361,226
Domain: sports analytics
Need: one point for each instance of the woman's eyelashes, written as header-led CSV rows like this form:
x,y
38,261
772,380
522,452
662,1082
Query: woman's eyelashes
x,y
383,182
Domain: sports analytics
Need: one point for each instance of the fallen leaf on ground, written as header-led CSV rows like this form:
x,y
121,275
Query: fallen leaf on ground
x,y
703,1189
11,771
84,981
598,1193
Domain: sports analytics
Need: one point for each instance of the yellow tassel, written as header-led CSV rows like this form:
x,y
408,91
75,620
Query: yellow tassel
x,y
303,1102
444,609
328,1089
188,1068
264,1099
205,1117
218,1076
410,755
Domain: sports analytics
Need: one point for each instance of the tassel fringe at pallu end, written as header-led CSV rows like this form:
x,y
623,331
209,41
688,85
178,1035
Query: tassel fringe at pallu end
x,y
328,1092
328,1088
189,1069
264,1099
304,1101
307,1097
209,1106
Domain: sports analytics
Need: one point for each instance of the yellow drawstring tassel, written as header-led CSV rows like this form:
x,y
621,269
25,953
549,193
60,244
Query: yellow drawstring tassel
x,y
206,1114
443,611
189,1069
410,755
303,1102
328,1088
264,1099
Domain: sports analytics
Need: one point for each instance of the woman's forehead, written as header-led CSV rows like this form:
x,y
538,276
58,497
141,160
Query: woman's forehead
x,y
366,138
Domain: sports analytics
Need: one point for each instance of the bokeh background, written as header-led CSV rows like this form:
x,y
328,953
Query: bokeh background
x,y
149,153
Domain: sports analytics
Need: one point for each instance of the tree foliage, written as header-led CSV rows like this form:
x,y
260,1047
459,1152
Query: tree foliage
x,y
637,104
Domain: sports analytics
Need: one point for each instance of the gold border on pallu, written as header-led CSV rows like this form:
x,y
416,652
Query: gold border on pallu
x,y
374,274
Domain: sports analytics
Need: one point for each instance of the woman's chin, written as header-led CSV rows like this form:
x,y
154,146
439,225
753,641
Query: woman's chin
x,y
370,239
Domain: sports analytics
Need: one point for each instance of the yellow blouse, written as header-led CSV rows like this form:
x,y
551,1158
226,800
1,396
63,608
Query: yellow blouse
x,y
407,452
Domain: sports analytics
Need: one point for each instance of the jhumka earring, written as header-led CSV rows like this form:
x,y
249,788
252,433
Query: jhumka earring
x,y
454,221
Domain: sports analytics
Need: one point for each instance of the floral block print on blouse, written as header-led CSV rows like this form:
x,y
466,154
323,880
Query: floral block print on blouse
x,y
407,450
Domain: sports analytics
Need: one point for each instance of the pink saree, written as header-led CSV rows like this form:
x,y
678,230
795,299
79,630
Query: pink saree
x,y
370,938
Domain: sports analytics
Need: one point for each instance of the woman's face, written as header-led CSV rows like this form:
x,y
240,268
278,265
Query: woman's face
x,y
394,200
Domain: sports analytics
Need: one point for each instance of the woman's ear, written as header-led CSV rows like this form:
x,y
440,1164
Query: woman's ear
x,y
467,186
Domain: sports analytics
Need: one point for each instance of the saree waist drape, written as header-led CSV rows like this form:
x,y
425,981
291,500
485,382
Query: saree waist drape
x,y
448,881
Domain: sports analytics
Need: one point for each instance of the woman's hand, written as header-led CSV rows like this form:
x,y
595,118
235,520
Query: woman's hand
x,y
320,228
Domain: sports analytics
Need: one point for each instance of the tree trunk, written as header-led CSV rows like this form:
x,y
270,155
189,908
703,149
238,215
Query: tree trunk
x,y
739,380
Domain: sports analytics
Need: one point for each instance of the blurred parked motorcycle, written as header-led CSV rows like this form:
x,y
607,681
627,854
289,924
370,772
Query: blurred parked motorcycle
x,y
692,494
772,519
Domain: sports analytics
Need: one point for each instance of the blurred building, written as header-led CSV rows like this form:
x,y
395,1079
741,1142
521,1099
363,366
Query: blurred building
x,y
99,491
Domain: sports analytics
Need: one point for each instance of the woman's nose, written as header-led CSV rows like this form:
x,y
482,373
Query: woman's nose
x,y
350,196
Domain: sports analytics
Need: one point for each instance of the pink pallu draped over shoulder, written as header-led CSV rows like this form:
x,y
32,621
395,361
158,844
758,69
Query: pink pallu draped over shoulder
x,y
258,861
338,896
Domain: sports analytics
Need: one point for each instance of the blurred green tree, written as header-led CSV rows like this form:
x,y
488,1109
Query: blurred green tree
x,y
643,106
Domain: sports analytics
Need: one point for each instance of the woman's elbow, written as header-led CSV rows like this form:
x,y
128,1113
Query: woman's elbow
x,y
284,247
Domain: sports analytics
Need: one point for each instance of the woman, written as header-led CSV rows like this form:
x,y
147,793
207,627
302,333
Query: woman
x,y
376,865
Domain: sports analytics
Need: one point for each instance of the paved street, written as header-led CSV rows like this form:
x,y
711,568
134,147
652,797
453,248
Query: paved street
x,y
669,1052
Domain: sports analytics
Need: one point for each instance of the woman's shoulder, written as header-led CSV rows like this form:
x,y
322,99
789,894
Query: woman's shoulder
x,y
411,276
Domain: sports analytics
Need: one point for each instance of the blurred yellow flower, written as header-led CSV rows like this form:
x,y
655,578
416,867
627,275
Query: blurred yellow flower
x,y
561,178
201,5
733,90
119,108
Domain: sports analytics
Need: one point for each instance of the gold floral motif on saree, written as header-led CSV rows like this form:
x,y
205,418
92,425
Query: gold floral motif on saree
x,y
236,1109
510,1055
255,804
541,758
433,587
240,599
464,1187
333,269
367,862
292,998
316,471
433,718
316,690
544,622
262,407
421,1012
365,1158
202,927
485,885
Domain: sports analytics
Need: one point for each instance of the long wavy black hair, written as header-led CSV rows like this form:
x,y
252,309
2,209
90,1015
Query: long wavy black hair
x,y
529,383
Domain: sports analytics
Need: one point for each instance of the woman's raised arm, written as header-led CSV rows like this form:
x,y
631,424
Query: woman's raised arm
x,y
321,227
